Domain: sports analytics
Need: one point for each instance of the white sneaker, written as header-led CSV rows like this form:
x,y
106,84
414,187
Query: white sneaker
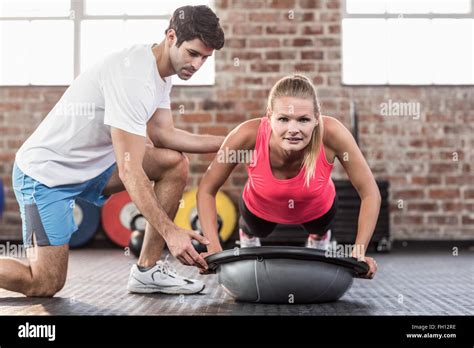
x,y
323,243
161,278
248,242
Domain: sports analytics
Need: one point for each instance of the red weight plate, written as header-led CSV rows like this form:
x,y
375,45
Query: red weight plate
x,y
116,218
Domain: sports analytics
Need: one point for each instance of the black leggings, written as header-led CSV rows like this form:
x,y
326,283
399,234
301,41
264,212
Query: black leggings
x,y
257,227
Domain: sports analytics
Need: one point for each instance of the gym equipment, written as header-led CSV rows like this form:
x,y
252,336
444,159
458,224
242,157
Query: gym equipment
x,y
138,226
136,242
284,274
187,217
2,199
346,219
138,223
196,226
87,219
118,213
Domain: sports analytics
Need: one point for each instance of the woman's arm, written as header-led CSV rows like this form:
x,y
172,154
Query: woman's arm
x,y
241,138
341,140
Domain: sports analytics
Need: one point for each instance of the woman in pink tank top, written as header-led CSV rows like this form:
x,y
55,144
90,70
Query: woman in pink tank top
x,y
289,156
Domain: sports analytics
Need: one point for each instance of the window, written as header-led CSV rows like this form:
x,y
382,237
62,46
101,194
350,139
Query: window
x,y
49,42
408,42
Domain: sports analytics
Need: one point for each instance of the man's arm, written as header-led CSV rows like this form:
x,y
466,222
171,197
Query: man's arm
x,y
129,152
161,130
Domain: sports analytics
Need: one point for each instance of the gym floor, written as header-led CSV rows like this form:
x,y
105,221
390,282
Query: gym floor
x,y
408,283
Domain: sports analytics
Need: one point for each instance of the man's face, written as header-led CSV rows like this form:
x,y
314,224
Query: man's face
x,y
189,57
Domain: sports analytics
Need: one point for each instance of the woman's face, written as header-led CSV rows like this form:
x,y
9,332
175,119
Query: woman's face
x,y
292,121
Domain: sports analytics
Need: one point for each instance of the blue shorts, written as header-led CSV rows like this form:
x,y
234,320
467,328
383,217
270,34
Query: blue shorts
x,y
47,212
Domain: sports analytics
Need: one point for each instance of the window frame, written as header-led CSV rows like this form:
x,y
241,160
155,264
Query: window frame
x,y
77,15
386,15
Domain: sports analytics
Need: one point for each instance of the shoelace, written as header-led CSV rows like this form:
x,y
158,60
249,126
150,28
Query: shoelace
x,y
166,267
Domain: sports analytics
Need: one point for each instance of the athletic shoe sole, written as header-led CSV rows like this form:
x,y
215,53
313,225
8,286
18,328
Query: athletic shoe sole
x,y
172,290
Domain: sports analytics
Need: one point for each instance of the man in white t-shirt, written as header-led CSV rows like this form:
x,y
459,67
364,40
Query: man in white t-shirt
x,y
113,130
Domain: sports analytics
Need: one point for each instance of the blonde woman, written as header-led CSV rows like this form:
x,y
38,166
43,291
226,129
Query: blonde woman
x,y
293,148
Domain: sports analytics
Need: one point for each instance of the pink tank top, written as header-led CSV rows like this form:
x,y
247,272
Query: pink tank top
x,y
287,201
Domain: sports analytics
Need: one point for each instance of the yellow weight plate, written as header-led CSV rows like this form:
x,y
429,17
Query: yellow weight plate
x,y
225,209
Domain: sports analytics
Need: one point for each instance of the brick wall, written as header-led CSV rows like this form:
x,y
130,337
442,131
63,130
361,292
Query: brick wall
x,y
427,161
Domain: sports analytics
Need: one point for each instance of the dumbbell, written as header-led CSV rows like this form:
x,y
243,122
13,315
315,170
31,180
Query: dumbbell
x,y
138,225
120,217
196,226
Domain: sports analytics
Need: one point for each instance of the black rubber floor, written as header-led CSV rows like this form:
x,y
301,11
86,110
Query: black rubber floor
x,y
428,283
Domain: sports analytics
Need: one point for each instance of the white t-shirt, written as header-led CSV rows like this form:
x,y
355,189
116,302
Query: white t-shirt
x,y
73,143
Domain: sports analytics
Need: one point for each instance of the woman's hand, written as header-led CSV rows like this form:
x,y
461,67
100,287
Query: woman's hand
x,y
210,251
359,254
372,266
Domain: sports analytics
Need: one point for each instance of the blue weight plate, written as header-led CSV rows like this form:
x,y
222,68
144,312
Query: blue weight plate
x,y
87,217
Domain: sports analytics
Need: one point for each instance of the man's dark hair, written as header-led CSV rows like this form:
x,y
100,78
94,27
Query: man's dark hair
x,y
191,22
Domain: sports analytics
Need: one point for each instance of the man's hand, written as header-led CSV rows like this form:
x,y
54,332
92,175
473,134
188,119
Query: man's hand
x,y
179,244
